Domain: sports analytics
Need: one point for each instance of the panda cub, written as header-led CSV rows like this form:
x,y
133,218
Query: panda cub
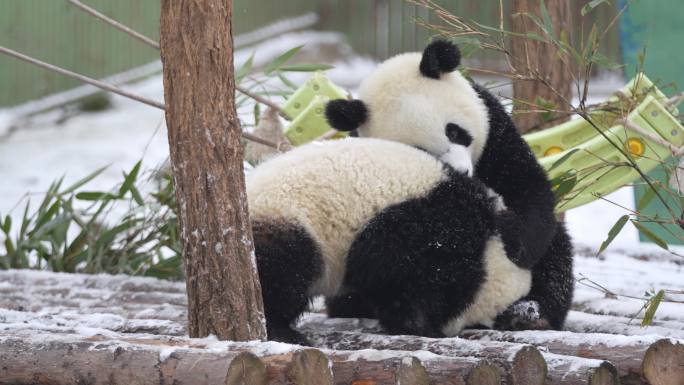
x,y
421,100
413,235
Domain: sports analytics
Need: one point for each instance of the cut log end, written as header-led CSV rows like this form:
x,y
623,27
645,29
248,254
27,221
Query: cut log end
x,y
412,371
310,367
529,367
246,369
664,363
605,374
484,373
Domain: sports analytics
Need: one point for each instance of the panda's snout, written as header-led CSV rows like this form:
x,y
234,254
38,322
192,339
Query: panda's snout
x,y
459,158
458,155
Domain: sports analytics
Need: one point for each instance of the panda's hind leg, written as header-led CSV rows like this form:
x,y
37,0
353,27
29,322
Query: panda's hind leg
x,y
549,300
288,261
349,305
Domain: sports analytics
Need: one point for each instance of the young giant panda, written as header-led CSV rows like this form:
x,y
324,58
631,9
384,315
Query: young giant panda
x,y
415,236
421,100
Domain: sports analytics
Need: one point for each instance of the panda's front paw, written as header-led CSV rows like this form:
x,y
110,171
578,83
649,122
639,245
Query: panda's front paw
x,y
522,315
288,336
508,225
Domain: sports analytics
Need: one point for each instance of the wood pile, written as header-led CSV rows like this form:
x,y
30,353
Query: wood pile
x,y
99,329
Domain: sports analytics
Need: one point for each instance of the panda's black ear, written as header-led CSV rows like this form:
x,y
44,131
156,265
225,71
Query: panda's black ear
x,y
439,57
346,115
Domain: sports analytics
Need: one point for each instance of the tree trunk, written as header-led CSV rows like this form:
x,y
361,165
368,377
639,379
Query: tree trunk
x,y
529,56
224,295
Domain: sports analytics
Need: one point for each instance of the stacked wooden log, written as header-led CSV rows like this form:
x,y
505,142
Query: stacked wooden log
x,y
70,328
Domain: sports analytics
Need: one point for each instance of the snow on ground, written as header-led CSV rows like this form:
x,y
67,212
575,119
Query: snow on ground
x,y
35,156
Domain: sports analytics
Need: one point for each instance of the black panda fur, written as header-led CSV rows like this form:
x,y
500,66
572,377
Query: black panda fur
x,y
509,167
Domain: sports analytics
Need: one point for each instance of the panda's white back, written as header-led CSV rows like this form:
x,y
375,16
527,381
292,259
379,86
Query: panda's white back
x,y
332,189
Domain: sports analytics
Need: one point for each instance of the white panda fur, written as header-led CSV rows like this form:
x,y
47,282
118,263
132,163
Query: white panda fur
x,y
333,189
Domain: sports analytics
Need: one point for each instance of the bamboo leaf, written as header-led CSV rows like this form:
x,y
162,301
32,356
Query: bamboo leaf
x,y
614,231
603,61
282,59
136,196
46,216
40,233
591,5
287,81
588,50
650,235
25,221
565,187
95,196
548,26
646,199
49,195
7,225
653,304
80,183
130,178
534,36
245,69
563,159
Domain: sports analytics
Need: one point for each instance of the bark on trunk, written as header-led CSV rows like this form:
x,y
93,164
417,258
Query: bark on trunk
x,y
224,295
542,57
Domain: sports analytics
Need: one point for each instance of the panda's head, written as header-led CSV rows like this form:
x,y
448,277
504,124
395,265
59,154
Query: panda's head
x,y
421,100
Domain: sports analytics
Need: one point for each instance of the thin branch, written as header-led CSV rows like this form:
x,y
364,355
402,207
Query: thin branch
x,y
675,100
118,91
114,23
93,12
263,101
85,79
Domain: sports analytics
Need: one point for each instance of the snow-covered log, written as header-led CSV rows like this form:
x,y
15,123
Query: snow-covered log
x,y
664,363
420,368
30,357
627,353
520,363
98,310
34,356
523,364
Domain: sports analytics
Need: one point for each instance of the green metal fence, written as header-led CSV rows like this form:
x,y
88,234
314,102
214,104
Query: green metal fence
x,y
56,32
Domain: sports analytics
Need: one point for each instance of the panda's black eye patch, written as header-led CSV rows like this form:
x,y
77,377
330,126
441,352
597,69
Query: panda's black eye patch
x,y
458,135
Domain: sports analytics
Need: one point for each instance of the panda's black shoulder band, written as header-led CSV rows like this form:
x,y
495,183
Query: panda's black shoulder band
x,y
346,115
439,57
